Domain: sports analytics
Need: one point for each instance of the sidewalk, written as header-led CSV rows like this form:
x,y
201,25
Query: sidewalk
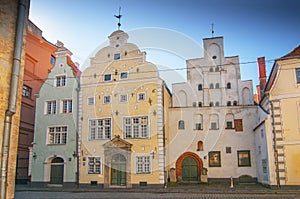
x,y
182,188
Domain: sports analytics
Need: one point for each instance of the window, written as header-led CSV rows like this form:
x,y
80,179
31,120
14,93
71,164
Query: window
x,y
229,103
107,99
143,164
94,165
124,75
238,124
200,104
180,124
198,126
26,92
194,104
213,125
228,85
214,159
298,75
217,104
244,158
234,103
57,135
67,106
51,107
200,146
229,125
117,56
136,127
100,129
141,96
228,149
200,88
61,81
214,121
52,59
211,70
217,85
91,100
107,77
123,98
217,69
211,104
211,86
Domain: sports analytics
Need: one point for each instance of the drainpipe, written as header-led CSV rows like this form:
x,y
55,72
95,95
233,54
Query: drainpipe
x,y
275,146
22,7
77,134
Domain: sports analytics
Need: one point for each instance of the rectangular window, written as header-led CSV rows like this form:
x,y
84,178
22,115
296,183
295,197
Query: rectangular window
x,y
107,99
229,125
26,91
213,125
107,77
52,59
244,159
214,159
228,149
100,129
298,75
198,126
67,106
123,98
124,75
94,165
61,81
136,127
141,96
91,101
57,135
143,164
238,124
51,107
117,56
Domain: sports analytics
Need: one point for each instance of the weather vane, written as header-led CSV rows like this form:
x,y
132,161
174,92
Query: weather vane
x,y
119,17
212,30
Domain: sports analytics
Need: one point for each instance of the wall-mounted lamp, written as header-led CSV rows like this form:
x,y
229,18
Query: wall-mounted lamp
x,y
150,101
117,112
74,154
152,153
34,155
154,112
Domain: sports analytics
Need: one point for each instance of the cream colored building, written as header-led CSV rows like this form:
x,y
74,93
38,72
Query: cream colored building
x,y
211,121
281,102
123,108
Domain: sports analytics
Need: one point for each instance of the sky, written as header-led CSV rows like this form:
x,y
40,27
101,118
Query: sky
x,y
251,29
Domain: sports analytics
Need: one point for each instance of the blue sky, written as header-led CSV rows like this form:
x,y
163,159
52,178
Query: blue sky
x,y
250,29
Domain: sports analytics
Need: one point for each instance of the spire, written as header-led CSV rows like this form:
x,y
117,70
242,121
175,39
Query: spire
x,y
119,17
212,30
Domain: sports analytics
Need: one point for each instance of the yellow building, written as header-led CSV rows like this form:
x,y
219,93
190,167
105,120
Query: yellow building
x,y
282,101
122,107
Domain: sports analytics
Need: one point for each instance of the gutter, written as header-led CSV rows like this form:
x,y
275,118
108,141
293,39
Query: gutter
x,y
22,8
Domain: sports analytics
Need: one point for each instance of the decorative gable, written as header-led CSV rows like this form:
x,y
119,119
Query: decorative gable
x,y
118,142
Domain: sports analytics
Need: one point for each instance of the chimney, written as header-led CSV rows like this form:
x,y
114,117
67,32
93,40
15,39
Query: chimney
x,y
262,76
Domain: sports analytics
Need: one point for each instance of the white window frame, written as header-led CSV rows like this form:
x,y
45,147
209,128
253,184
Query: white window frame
x,y
59,137
136,130
107,97
52,110
62,79
138,97
26,91
88,101
105,76
94,164
143,164
69,108
117,54
124,73
98,130
123,100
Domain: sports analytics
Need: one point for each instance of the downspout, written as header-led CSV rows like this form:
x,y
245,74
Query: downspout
x,y
22,6
77,134
275,146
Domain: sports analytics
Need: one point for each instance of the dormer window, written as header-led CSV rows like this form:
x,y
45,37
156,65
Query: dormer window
x,y
117,56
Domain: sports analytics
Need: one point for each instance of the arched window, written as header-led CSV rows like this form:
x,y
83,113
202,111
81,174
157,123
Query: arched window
x,y
211,70
228,86
217,85
235,103
194,104
180,124
217,69
200,88
217,104
200,146
211,104
200,104
229,103
211,86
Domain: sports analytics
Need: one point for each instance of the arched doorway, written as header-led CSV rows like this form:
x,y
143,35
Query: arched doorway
x,y
188,167
118,170
57,171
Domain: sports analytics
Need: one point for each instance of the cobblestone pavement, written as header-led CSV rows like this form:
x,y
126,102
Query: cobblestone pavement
x,y
146,195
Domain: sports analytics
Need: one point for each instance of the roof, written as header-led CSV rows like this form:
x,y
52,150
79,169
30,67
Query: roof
x,y
75,69
293,53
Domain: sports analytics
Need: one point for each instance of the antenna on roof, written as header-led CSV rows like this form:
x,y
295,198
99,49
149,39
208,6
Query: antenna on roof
x,y
119,17
212,30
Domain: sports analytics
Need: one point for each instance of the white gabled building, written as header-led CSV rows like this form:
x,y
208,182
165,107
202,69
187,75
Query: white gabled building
x,y
211,120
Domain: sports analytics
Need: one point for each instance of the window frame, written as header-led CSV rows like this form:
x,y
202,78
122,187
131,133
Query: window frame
x,y
100,130
117,56
134,127
228,85
144,164
59,137
138,97
244,152
94,164
181,125
49,105
123,73
120,98
26,91
88,101
197,125
214,159
105,98
60,81
69,106
200,87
